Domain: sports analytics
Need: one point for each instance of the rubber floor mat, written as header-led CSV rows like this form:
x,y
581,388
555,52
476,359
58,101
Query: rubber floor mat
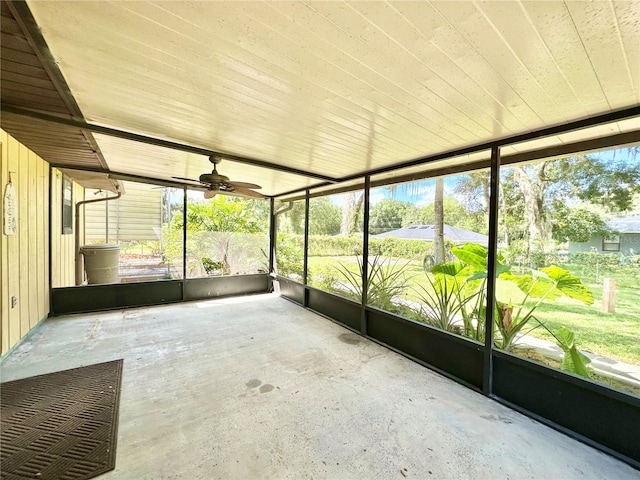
x,y
61,425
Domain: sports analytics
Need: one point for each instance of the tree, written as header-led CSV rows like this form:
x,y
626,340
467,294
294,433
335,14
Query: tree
x,y
387,215
296,218
324,217
610,179
474,189
532,181
438,209
351,212
455,214
225,214
578,224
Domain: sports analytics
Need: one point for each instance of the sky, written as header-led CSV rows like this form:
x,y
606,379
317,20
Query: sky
x,y
421,193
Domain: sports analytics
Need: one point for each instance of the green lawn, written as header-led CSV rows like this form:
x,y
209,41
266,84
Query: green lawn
x,y
614,335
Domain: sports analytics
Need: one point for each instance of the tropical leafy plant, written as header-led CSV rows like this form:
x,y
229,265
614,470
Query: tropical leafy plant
x,y
548,283
573,361
464,294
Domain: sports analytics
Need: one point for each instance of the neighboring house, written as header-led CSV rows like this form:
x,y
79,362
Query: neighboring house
x,y
625,241
427,232
137,215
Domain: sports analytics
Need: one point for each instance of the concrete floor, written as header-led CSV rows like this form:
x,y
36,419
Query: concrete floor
x,y
257,387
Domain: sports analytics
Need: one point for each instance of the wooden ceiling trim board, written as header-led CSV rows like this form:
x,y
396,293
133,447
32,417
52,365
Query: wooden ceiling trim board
x,y
102,120
211,39
41,52
158,142
470,22
71,144
525,42
21,13
384,50
21,58
40,130
614,76
27,71
444,40
466,95
9,24
16,43
30,91
20,78
27,103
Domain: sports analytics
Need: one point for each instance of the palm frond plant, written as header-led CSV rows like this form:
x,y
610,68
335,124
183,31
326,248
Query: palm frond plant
x,y
457,300
387,281
443,304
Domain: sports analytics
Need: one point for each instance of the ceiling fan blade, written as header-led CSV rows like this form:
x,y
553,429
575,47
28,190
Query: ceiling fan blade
x,y
210,193
244,192
245,185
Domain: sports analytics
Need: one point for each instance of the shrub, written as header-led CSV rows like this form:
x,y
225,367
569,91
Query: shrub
x,y
289,256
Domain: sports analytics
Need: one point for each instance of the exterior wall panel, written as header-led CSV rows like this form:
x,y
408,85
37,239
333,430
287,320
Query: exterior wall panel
x,y
63,245
24,261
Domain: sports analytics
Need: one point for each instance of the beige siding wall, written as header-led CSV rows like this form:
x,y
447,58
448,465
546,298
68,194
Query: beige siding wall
x,y
137,215
63,261
24,257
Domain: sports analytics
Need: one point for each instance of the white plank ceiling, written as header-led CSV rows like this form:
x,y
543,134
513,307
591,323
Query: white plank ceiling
x,y
336,88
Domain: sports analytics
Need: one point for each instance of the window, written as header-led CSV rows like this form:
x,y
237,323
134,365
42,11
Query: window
x,y
335,247
290,240
226,236
549,301
420,234
146,223
67,205
611,244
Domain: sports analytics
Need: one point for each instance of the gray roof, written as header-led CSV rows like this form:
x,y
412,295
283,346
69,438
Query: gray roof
x,y
427,232
626,224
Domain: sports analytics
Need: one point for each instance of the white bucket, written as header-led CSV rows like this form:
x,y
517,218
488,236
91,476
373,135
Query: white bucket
x,y
101,262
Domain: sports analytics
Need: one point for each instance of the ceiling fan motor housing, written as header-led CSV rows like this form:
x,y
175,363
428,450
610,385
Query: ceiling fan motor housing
x,y
214,178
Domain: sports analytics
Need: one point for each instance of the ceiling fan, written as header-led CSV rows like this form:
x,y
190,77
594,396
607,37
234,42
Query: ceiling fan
x,y
214,184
